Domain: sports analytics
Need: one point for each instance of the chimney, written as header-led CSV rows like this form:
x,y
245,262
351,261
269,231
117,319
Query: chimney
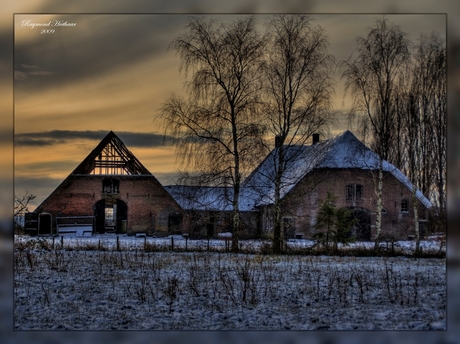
x,y
315,138
277,141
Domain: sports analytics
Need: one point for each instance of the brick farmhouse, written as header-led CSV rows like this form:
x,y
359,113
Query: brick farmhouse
x,y
345,167
123,196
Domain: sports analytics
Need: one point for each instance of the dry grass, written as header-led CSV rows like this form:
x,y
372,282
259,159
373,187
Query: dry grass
x,y
110,289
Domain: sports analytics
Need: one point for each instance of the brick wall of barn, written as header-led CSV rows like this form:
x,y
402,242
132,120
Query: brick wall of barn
x,y
301,205
208,224
144,196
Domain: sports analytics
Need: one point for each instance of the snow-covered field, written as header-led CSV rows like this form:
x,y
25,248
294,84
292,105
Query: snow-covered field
x,y
90,285
124,242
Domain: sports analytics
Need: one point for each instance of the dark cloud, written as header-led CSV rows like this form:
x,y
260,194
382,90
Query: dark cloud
x,y
130,139
144,139
97,44
22,72
35,184
45,167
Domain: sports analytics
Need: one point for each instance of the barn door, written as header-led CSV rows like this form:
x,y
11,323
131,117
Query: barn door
x,y
45,224
362,223
175,223
122,215
99,212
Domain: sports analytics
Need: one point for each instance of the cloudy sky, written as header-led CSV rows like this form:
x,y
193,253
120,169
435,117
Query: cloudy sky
x,y
112,72
95,73
69,94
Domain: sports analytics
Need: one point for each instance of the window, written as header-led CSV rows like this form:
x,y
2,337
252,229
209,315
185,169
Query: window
x,y
108,214
109,217
354,192
404,206
110,186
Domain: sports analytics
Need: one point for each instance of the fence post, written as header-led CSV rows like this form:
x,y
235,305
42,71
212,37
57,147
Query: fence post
x,y
172,244
62,242
185,236
118,243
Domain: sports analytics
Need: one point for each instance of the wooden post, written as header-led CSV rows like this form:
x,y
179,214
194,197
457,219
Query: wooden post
x,y
185,236
118,243
172,244
62,242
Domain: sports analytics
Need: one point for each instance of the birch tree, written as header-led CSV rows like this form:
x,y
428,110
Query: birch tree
x,y
297,93
425,124
372,78
216,126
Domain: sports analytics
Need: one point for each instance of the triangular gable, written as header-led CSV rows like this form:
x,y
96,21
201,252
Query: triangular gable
x,y
111,157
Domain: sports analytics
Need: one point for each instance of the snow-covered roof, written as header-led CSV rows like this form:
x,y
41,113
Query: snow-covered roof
x,y
342,151
201,197
207,198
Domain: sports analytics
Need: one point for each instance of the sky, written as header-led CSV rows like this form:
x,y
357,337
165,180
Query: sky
x,y
87,74
40,182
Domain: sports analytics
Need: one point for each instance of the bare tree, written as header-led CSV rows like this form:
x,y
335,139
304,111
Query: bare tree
x,y
21,206
429,100
372,77
216,128
298,92
425,123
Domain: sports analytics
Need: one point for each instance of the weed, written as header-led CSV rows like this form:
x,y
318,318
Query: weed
x,y
171,290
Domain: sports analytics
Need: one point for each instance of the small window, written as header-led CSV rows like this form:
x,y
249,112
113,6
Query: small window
x,y
110,186
404,206
354,192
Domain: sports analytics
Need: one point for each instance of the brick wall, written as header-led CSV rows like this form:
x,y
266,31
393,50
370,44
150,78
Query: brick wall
x,y
144,196
303,202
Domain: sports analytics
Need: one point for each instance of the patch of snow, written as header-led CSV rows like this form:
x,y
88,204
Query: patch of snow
x,y
224,235
135,290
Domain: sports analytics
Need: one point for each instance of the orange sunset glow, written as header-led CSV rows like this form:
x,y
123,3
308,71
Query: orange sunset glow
x,y
79,76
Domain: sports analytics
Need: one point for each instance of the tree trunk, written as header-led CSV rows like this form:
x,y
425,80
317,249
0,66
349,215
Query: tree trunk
x,y
237,183
277,239
416,223
277,230
378,220
235,217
